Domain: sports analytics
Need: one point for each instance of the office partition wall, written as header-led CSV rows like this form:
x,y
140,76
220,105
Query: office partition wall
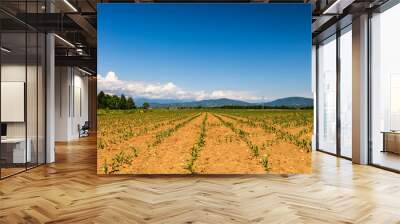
x,y
22,87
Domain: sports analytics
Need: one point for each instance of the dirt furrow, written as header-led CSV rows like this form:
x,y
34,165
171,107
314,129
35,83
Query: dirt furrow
x,y
107,141
123,155
224,152
197,146
283,157
282,134
171,155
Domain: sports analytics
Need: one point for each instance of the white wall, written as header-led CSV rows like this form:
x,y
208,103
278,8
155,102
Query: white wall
x,y
62,82
71,102
17,73
80,109
14,72
33,126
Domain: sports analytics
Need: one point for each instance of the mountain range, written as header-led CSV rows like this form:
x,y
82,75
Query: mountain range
x,y
288,101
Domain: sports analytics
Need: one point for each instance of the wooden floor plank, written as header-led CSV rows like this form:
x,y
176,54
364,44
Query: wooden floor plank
x,y
70,191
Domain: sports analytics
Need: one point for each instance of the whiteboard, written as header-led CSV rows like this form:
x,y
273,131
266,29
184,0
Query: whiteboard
x,y
12,101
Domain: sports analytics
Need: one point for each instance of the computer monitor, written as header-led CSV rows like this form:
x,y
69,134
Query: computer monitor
x,y
3,129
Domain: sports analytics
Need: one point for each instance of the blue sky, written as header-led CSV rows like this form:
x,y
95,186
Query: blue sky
x,y
252,52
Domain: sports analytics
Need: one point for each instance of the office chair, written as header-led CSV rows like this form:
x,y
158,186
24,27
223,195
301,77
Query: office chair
x,y
84,130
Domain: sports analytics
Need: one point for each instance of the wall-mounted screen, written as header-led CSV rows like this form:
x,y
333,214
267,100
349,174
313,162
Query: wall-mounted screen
x,y
12,101
204,88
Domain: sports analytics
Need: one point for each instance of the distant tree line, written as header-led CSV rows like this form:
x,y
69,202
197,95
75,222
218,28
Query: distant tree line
x,y
266,107
105,101
251,107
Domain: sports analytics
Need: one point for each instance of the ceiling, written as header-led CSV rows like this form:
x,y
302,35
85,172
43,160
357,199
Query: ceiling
x,y
75,21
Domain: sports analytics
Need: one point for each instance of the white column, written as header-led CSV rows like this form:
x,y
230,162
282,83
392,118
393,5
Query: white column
x,y
360,90
50,100
50,92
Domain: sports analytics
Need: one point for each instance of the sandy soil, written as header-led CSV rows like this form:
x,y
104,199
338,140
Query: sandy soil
x,y
140,130
171,156
139,143
224,152
283,157
296,130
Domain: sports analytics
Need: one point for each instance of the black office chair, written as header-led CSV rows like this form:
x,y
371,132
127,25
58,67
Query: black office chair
x,y
84,130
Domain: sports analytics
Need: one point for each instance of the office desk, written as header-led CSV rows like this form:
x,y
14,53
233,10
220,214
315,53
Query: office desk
x,y
391,141
13,150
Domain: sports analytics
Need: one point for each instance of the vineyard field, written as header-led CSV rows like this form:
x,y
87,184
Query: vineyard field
x,y
204,141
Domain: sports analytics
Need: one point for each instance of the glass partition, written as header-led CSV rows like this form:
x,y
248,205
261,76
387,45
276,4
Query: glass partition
x,y
385,89
13,94
22,88
346,92
327,95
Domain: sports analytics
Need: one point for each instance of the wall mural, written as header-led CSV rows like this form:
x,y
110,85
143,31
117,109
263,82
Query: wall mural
x,y
204,89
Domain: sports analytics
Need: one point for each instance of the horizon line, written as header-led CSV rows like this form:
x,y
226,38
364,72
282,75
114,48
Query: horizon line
x,y
195,100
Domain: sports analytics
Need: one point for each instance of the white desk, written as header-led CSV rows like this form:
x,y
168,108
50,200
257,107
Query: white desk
x,y
19,155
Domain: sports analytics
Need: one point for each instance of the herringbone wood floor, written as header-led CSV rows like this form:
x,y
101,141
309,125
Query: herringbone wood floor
x,y
69,191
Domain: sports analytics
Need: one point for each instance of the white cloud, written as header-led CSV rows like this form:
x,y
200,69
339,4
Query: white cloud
x,y
111,84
